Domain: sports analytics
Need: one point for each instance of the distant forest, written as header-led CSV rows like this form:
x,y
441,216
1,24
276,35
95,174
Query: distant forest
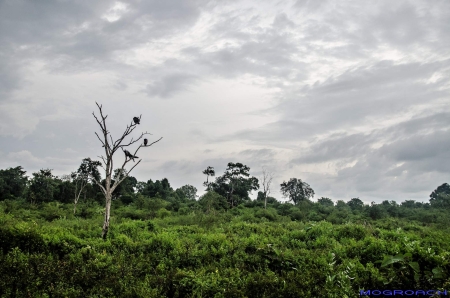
x,y
228,191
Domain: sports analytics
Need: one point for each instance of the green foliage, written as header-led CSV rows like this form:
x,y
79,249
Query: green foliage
x,y
188,191
235,184
325,202
42,187
207,255
440,197
296,190
154,189
12,183
356,204
212,201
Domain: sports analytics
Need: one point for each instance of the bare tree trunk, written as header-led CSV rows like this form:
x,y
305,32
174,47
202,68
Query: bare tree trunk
x,y
107,216
266,181
77,198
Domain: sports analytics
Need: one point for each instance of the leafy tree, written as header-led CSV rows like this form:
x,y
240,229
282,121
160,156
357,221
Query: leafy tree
x,y
188,191
12,183
440,197
296,190
356,204
110,146
324,206
235,184
325,202
391,207
140,186
42,186
87,171
154,189
341,205
66,189
209,171
376,211
408,204
213,201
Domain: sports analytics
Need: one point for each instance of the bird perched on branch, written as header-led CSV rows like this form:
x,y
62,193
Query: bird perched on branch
x,y
136,120
145,142
129,155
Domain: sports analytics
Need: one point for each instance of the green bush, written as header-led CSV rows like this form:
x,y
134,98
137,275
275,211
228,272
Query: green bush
x,y
163,213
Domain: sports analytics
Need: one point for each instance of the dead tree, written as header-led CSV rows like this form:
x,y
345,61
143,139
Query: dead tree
x,y
208,172
266,181
80,183
112,147
86,172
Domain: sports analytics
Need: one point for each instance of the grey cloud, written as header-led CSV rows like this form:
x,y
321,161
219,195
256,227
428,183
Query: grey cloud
x,y
309,5
421,124
337,147
258,153
73,33
266,52
419,147
10,77
170,84
384,89
384,74
403,25
282,21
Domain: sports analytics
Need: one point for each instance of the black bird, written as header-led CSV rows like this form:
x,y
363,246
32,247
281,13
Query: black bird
x,y
129,155
145,142
136,120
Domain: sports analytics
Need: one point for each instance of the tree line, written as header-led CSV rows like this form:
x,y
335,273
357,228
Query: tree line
x,y
225,192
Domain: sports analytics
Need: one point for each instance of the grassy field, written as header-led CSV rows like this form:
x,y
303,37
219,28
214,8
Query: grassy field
x,y
245,252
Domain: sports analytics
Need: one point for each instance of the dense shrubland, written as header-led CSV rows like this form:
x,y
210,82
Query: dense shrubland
x,y
166,243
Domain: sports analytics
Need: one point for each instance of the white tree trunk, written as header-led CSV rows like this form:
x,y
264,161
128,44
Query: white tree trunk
x,y
107,216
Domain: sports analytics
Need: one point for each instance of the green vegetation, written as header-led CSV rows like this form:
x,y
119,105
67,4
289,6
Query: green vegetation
x,y
164,243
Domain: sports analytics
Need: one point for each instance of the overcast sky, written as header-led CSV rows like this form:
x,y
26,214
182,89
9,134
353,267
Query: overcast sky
x,y
352,97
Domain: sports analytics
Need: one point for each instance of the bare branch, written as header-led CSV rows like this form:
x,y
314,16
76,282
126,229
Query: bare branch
x,y
153,142
134,141
97,120
100,139
100,185
104,161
